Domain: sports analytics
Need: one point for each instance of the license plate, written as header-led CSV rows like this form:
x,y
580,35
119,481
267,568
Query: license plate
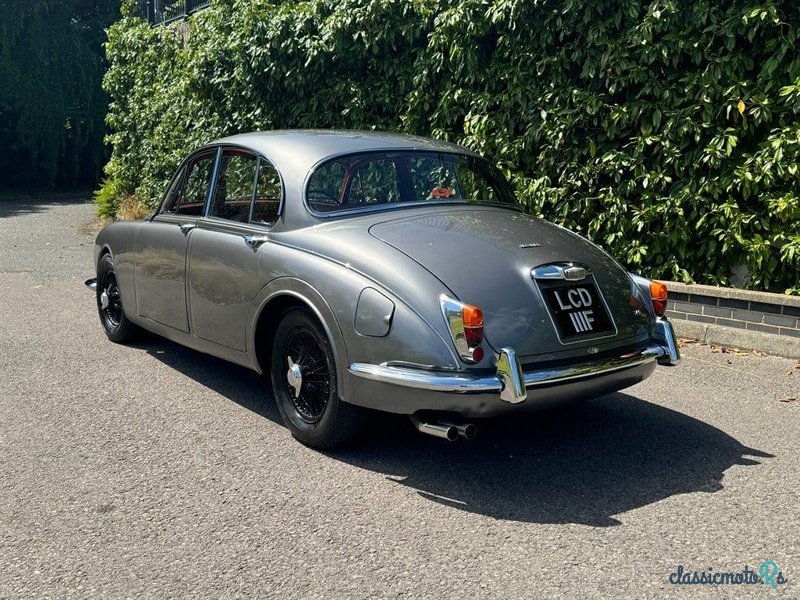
x,y
577,309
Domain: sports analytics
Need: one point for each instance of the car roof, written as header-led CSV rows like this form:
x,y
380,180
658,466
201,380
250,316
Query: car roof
x,y
295,151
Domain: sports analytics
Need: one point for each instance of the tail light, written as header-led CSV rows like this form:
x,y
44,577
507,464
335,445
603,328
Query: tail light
x,y
466,328
645,290
658,295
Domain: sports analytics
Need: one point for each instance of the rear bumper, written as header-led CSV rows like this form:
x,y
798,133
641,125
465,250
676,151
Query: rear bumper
x,y
474,395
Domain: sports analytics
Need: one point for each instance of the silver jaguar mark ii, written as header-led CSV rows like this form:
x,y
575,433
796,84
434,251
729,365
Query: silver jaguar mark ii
x,y
377,271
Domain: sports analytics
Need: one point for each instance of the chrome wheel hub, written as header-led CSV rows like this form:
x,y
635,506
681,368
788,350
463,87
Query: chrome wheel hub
x,y
105,301
294,376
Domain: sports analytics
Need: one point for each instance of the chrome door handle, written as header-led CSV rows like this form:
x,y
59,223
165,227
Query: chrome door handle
x,y
187,227
254,241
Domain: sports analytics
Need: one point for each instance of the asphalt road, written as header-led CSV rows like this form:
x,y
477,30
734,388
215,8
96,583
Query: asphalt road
x,y
153,471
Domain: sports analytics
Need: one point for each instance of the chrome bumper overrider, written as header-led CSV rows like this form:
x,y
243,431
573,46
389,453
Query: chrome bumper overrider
x,y
511,382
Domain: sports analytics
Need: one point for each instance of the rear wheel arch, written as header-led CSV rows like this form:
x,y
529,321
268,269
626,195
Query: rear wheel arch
x,y
272,302
267,322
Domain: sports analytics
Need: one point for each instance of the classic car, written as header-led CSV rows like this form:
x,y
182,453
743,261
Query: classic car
x,y
363,270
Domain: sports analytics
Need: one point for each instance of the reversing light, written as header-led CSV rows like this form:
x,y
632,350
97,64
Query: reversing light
x,y
465,322
658,295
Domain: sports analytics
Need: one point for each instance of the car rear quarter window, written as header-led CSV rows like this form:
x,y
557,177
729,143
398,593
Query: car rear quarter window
x,y
325,186
267,201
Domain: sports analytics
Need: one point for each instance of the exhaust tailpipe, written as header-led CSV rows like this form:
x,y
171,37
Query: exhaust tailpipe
x,y
446,431
468,431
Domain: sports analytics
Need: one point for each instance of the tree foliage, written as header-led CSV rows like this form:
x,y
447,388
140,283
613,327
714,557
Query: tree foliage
x,y
51,102
667,131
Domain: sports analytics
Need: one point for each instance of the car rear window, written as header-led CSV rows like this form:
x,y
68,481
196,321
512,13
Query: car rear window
x,y
386,180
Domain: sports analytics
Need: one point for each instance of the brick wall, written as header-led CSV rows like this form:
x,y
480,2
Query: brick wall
x,y
742,309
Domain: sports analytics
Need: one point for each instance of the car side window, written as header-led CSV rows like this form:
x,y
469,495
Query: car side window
x,y
174,194
234,192
188,194
267,201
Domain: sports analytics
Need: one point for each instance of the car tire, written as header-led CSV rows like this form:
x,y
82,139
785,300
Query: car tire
x,y
303,359
117,326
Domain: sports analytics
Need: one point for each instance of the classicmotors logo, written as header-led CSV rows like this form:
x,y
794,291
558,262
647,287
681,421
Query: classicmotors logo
x,y
767,573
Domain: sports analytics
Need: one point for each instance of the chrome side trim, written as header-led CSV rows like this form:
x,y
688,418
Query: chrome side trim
x,y
664,334
509,371
463,383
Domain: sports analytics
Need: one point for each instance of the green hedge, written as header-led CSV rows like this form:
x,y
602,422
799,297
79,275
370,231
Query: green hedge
x,y
51,103
668,131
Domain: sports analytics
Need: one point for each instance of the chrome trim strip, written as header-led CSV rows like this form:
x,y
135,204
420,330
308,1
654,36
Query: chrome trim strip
x,y
451,310
463,383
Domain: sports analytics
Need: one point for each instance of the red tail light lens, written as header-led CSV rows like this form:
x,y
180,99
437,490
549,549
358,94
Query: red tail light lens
x,y
477,354
658,295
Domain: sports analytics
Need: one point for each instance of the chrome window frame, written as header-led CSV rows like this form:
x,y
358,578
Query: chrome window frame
x,y
215,179
179,172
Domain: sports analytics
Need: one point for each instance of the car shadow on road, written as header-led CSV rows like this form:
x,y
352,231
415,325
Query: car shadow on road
x,y
583,464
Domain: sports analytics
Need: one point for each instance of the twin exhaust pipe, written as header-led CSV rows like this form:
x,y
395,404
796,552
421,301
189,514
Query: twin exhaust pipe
x,y
446,431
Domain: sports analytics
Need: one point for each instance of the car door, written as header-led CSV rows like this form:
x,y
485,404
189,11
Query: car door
x,y
230,245
161,243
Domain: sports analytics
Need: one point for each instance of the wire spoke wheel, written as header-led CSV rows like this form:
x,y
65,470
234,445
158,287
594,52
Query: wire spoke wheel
x,y
303,372
109,302
308,381
116,325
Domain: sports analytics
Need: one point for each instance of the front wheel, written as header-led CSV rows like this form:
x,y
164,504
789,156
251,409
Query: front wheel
x,y
109,304
303,371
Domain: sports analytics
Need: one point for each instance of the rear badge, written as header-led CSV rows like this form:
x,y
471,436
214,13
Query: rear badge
x,y
594,350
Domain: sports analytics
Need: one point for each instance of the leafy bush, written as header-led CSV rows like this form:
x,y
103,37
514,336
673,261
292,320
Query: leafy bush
x,y
666,131
107,198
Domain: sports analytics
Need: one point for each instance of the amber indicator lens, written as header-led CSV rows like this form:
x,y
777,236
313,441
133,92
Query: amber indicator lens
x,y
472,316
658,294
